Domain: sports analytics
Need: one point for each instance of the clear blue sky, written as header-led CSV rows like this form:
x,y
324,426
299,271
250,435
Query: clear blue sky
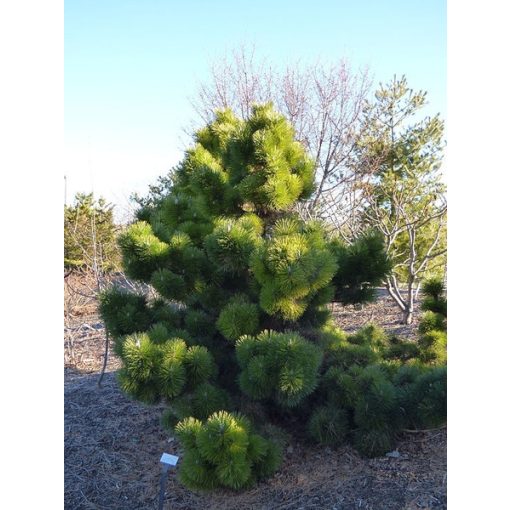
x,y
132,66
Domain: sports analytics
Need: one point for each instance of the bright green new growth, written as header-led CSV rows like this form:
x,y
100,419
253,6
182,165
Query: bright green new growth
x,y
163,370
241,322
224,450
292,267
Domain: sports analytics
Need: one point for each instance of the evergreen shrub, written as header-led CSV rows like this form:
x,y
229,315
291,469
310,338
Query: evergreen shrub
x,y
240,344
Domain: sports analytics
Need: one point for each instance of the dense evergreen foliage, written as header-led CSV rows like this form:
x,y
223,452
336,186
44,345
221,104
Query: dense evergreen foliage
x,y
241,344
432,326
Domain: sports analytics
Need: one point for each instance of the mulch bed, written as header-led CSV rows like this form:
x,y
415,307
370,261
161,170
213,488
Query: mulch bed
x,y
113,446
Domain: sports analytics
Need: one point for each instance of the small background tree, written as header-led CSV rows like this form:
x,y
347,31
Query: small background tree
x,y
91,256
401,192
90,234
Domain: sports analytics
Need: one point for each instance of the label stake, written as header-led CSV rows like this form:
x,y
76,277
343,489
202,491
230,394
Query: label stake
x,y
167,461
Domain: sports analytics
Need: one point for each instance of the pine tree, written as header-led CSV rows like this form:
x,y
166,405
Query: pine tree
x,y
399,157
90,234
242,321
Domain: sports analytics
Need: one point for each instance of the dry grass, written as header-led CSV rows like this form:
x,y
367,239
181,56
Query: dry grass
x,y
113,446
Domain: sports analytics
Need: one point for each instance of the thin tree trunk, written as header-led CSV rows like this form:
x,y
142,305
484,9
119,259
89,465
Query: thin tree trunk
x,y
393,291
99,287
407,317
105,360
405,305
409,311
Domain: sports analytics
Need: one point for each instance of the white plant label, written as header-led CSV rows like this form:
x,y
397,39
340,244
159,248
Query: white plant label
x,y
171,460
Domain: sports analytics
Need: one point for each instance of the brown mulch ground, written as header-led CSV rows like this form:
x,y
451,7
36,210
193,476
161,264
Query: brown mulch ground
x,y
383,312
113,445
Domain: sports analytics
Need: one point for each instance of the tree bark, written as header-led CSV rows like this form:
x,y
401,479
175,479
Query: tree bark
x,y
407,317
